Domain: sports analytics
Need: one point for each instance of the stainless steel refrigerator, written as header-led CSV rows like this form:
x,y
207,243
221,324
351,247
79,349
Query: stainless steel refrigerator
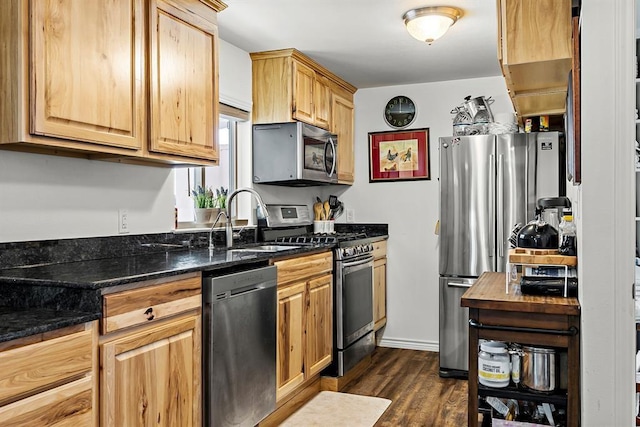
x,y
488,183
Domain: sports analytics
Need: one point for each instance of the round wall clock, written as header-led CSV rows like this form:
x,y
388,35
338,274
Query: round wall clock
x,y
400,112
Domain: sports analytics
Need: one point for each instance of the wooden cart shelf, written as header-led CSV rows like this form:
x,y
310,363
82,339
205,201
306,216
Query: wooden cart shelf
x,y
526,319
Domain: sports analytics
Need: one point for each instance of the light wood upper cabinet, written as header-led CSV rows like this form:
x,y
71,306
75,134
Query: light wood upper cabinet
x,y
535,51
133,80
184,75
86,71
342,110
289,86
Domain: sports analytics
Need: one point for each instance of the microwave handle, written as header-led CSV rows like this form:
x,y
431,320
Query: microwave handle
x,y
335,155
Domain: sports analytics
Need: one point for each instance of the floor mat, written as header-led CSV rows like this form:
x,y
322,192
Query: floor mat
x,y
330,408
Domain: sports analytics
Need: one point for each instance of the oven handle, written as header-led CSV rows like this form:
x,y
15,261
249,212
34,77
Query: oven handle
x,y
358,264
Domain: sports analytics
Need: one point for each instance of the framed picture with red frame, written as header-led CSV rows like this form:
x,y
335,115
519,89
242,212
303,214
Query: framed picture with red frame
x,y
401,155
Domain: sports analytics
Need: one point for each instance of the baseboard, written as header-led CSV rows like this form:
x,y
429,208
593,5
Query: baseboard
x,y
409,344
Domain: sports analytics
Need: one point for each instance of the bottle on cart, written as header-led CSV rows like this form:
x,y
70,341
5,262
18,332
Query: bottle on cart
x,y
567,234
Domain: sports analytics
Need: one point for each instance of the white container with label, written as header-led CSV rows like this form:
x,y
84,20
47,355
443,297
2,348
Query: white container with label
x,y
494,367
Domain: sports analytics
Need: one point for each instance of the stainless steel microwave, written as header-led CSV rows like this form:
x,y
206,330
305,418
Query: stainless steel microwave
x,y
294,154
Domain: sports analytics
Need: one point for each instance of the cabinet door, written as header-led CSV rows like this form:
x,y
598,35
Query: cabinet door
x,y
319,349
290,338
67,405
379,293
87,75
184,76
342,125
321,102
152,376
303,82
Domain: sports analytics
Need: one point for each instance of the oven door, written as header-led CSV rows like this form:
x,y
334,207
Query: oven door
x,y
354,300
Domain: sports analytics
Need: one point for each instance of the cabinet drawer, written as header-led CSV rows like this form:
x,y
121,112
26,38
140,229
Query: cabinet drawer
x,y
67,405
380,249
147,304
295,269
32,368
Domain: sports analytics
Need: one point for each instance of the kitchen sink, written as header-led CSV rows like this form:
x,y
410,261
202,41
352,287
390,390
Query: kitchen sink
x,y
265,248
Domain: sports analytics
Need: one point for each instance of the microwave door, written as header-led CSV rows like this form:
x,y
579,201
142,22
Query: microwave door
x,y
330,157
314,160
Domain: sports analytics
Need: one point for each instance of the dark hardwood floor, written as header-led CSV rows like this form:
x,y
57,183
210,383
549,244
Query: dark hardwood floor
x,y
419,397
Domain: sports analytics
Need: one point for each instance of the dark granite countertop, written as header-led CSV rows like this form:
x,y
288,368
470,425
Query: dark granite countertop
x,y
22,322
52,284
103,273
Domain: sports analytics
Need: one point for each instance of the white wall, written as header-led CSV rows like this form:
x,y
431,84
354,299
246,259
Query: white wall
x,y
606,213
411,208
48,197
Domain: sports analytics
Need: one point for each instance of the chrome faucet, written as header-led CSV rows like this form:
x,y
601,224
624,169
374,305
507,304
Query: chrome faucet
x,y
211,247
229,228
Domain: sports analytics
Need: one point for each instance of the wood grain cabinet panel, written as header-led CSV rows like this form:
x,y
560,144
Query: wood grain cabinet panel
x,y
87,71
535,52
184,75
379,284
290,338
151,303
152,376
342,111
69,405
50,379
132,81
319,324
304,334
42,365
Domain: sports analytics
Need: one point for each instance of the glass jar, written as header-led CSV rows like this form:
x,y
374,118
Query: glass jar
x,y
494,367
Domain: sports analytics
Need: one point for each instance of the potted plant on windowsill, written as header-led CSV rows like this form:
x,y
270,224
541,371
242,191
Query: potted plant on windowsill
x,y
219,203
204,204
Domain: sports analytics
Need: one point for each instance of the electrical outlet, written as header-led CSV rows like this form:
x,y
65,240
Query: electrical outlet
x,y
123,221
351,215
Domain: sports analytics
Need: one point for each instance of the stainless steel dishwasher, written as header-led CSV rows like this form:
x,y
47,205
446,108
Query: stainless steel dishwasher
x,y
239,347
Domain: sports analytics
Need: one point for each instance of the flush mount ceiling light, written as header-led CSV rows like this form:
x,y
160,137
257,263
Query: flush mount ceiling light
x,y
428,24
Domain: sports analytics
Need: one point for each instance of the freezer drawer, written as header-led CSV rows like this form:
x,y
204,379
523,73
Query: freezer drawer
x,y
454,327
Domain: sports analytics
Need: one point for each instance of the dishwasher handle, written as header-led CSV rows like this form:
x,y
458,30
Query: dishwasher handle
x,y
244,291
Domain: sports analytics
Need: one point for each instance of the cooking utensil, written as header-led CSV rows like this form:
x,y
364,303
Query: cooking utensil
x,y
338,211
333,202
327,210
478,109
317,211
318,199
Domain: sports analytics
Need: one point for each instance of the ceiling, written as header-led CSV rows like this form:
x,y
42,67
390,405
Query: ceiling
x,y
365,41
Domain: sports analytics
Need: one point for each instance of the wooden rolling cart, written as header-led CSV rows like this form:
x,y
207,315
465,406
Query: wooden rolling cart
x,y
525,319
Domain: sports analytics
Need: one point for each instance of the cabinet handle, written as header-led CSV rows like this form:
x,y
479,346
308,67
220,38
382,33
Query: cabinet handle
x,y
149,313
570,332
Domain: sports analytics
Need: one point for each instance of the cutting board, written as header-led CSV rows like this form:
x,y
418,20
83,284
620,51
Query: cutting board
x,y
540,256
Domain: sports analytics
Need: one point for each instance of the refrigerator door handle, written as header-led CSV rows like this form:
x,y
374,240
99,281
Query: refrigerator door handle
x,y
500,207
459,285
492,201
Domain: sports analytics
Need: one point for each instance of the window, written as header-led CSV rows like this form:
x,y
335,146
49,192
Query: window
x,y
224,175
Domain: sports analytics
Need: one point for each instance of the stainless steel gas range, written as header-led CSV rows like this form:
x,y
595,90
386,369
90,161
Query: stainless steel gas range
x,y
353,280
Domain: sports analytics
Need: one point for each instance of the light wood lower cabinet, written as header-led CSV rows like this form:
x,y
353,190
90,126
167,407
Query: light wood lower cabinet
x,y
304,321
379,284
152,376
49,380
151,356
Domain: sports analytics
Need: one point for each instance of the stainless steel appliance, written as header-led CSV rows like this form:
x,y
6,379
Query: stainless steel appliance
x,y
488,183
240,347
353,281
294,154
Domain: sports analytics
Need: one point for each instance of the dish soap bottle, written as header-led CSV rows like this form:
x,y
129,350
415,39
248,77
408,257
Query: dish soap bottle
x,y
567,234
